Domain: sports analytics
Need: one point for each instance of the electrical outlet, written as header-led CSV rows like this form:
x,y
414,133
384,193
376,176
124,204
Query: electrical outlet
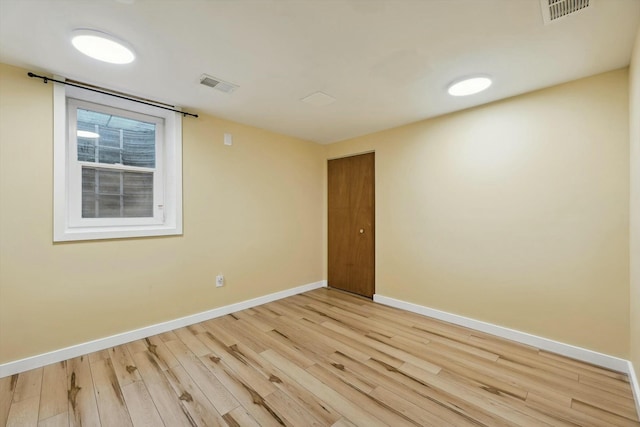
x,y
219,280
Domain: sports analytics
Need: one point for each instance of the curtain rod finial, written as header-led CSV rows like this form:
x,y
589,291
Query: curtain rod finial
x,y
44,79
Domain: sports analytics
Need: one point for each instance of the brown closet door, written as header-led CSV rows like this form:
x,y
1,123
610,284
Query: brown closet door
x,y
351,222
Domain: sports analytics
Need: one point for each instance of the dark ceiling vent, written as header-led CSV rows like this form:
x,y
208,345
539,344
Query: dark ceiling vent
x,y
217,84
553,10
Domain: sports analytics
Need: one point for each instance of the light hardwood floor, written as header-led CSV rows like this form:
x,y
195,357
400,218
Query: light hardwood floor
x,y
317,359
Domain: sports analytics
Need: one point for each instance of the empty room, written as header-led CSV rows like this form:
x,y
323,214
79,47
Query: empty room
x,y
319,213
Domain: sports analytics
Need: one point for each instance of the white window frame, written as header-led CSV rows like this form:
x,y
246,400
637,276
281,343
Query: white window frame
x,y
67,181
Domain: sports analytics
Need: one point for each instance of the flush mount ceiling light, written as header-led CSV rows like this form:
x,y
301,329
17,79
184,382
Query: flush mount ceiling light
x,y
87,134
102,46
469,86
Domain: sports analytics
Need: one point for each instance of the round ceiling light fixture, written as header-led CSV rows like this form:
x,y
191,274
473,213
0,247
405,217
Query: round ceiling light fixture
x,y
102,46
469,86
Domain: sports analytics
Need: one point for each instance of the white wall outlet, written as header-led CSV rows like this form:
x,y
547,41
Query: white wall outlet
x,y
219,280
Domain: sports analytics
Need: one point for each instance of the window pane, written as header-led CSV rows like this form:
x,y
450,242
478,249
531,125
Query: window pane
x,y
120,140
116,194
138,194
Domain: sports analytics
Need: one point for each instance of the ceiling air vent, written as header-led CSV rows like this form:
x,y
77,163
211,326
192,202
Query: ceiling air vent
x,y
553,10
218,84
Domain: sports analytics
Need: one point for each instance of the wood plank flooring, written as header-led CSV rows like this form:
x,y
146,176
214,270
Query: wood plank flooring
x,y
323,358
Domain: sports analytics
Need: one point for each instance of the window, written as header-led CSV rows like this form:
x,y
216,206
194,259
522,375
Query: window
x,y
117,167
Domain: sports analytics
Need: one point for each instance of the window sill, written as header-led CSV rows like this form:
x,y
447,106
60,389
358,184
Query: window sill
x,y
101,233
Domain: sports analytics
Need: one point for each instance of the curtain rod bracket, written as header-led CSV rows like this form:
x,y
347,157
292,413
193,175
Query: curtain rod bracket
x,y
107,92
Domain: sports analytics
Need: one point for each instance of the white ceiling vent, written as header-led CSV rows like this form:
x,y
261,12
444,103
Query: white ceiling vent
x,y
553,10
218,84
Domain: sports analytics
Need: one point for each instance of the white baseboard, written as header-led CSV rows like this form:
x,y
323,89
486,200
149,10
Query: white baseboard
x,y
55,356
635,387
578,353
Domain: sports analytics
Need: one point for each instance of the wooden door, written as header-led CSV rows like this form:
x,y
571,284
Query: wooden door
x,y
351,223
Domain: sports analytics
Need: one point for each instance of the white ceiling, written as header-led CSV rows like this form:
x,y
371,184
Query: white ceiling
x,y
387,62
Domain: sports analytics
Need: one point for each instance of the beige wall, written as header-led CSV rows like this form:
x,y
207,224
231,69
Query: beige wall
x,y
635,205
515,213
252,211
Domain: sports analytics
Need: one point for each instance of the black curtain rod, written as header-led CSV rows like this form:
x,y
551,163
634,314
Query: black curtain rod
x,y
47,79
